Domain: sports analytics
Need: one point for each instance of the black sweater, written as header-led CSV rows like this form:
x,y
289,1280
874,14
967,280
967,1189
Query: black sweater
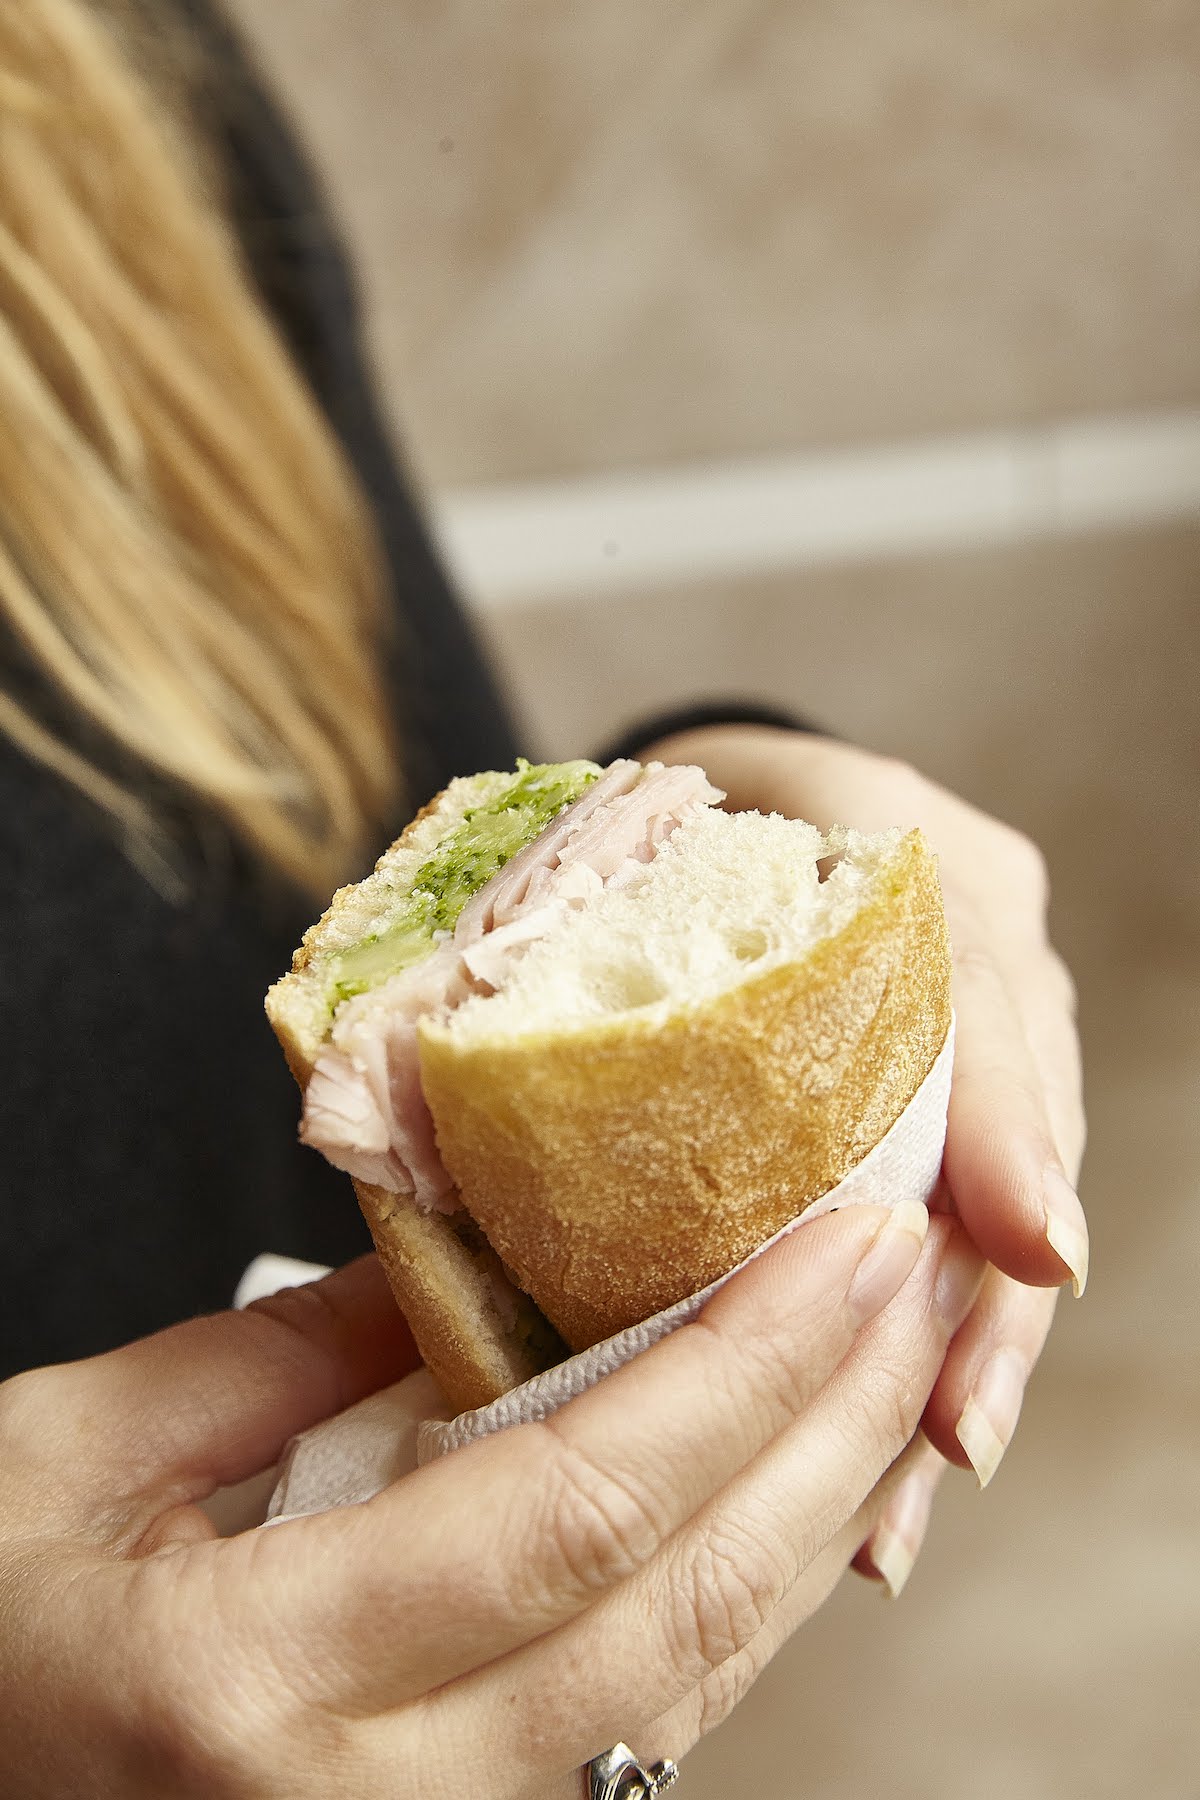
x,y
147,1118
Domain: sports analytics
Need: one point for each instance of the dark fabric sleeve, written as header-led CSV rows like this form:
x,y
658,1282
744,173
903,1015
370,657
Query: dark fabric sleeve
x,y
635,738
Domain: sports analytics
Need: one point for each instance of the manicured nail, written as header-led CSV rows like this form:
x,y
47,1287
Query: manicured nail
x,y
1066,1227
888,1260
990,1416
900,1533
959,1276
893,1559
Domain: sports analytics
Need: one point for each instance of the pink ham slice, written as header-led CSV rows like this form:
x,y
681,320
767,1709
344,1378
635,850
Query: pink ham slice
x,y
500,899
363,1107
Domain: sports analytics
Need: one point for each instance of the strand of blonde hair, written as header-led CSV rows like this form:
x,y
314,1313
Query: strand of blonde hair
x,y
184,555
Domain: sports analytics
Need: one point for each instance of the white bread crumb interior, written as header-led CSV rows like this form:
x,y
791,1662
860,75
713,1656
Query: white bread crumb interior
x,y
727,897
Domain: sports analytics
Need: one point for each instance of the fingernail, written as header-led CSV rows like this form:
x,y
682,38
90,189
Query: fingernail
x,y
959,1275
1066,1227
897,1539
990,1416
888,1260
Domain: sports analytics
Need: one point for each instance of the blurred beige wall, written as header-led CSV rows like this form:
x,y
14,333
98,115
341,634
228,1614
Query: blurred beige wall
x,y
624,233
624,238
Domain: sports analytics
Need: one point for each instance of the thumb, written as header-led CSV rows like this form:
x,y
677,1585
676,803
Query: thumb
x,y
214,1400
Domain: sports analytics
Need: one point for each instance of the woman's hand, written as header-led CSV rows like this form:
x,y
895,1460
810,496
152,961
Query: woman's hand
x,y
1016,1128
489,1623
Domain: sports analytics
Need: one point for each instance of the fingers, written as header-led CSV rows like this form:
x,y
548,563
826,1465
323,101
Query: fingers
x,y
712,1701
973,1410
714,1698
1010,1110
211,1401
890,1551
1002,1161
683,1622
1044,994
1016,1123
508,1538
971,1416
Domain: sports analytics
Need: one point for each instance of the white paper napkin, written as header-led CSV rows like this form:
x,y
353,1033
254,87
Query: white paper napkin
x,y
355,1455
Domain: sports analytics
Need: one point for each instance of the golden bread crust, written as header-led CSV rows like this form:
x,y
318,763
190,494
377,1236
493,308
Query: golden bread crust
x,y
619,1168
443,1292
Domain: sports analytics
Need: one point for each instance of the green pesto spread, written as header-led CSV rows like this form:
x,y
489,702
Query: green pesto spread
x,y
467,857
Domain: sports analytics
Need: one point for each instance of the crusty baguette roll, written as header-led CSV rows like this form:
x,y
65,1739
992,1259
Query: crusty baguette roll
x,y
686,1064
585,1041
477,1333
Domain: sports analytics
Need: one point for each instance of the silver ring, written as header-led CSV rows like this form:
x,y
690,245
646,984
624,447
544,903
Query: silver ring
x,y
618,1775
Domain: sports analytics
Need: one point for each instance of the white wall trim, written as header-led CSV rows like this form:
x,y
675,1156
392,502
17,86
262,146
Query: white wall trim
x,y
613,533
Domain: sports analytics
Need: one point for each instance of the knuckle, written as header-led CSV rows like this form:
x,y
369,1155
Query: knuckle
x,y
308,1313
893,1402
722,1691
184,1744
902,1416
768,1384
188,1710
1003,1097
601,1524
224,1732
723,1598
976,967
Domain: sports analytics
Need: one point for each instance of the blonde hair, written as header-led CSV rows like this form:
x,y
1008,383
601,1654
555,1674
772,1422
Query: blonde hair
x,y
185,559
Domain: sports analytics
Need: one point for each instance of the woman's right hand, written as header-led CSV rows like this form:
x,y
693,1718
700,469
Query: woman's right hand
x,y
491,1622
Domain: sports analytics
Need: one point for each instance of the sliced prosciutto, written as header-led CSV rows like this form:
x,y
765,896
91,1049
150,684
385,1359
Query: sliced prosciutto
x,y
363,1107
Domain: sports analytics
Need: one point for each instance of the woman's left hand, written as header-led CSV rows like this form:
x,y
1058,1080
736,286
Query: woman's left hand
x,y
1015,1133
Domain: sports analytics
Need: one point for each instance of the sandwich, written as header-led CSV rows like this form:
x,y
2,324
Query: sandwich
x,y
583,1040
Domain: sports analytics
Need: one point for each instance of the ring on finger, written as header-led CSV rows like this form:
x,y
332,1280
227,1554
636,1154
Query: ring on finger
x,y
618,1775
